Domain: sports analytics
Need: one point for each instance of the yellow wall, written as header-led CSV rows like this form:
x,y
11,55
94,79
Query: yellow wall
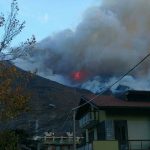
x,y
139,130
138,126
102,115
105,145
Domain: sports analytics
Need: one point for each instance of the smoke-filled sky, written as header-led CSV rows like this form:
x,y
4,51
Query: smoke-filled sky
x,y
107,42
45,17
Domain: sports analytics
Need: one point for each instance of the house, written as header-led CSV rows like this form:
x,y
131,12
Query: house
x,y
111,123
59,141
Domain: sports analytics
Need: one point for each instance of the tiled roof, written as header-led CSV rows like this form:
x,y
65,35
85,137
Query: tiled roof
x,y
111,101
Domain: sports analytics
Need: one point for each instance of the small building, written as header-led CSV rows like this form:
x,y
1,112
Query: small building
x,y
59,141
111,123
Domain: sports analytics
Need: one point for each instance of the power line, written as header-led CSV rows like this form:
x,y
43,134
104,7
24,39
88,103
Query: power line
x,y
75,108
103,90
110,86
65,121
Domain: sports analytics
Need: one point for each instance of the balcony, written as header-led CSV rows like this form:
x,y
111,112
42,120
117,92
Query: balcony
x,y
52,140
113,145
58,140
139,144
88,120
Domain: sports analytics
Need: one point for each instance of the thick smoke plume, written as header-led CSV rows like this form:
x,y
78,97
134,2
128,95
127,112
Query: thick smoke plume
x,y
108,41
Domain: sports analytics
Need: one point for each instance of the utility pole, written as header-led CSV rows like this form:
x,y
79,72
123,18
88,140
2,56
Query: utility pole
x,y
74,129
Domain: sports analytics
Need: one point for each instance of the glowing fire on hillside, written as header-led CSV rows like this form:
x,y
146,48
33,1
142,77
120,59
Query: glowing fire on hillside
x,y
79,76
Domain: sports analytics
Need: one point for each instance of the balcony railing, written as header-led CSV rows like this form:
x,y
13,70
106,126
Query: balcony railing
x,y
132,145
58,140
139,144
61,140
89,118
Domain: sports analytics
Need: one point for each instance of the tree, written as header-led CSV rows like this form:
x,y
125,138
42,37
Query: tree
x,y
13,97
13,139
12,27
9,140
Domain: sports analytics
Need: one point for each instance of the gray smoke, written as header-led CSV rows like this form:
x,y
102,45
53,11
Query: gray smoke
x,y
108,41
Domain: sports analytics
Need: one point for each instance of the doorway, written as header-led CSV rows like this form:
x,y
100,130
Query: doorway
x,y
121,133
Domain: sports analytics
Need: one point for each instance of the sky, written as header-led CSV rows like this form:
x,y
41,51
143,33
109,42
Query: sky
x,y
47,17
107,41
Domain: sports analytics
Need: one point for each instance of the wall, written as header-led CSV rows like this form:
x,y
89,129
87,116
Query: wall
x,y
102,115
105,145
138,126
139,130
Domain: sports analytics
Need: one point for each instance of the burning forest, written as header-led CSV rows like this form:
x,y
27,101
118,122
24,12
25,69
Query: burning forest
x,y
105,57
109,40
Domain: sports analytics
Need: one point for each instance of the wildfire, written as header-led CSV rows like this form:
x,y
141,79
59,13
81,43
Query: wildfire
x,y
78,75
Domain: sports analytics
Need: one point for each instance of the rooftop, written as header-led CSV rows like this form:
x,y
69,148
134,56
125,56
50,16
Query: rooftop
x,y
133,102
132,99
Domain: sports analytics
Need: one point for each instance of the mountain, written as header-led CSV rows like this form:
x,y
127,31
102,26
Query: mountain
x,y
49,106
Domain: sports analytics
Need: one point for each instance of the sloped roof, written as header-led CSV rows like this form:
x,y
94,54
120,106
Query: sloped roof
x,y
114,104
111,101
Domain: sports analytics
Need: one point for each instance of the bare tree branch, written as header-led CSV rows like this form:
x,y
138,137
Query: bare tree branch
x,y
12,27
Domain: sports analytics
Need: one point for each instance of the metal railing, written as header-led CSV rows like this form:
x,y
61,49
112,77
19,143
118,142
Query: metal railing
x,y
139,144
90,117
131,145
61,140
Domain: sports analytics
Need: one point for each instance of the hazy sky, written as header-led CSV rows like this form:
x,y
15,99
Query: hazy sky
x,y
46,17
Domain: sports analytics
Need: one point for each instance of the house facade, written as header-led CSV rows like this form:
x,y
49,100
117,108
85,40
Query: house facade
x,y
110,123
